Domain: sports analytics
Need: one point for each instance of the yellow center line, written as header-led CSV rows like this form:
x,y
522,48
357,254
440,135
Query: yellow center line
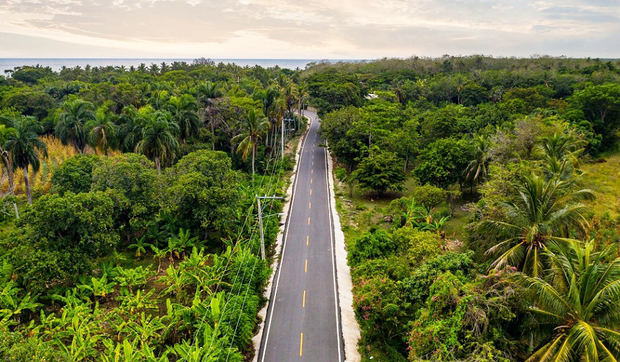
x,y
309,205
310,180
308,220
310,192
307,240
301,344
312,163
303,300
312,171
306,267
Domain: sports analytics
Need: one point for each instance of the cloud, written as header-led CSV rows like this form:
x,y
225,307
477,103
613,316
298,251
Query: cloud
x,y
310,28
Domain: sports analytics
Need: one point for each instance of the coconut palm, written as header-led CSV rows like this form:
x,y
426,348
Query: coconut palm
x,y
158,141
71,123
207,93
101,130
561,154
255,128
476,170
7,159
577,307
184,111
542,212
23,145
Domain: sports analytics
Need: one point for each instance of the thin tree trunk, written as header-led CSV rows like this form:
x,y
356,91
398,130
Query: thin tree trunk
x,y
157,164
27,182
11,177
253,157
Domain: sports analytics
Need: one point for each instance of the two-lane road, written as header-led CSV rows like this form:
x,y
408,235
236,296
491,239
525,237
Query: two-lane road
x,y
303,321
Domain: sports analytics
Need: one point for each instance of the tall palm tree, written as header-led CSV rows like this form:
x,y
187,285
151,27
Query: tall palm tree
x,y
184,111
7,160
207,94
158,138
23,145
130,128
255,127
102,130
71,123
577,306
476,170
541,213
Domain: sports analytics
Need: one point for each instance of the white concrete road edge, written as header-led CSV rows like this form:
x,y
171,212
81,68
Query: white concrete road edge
x,y
350,328
256,340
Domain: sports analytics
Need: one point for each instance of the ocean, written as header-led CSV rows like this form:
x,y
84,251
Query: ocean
x,y
57,63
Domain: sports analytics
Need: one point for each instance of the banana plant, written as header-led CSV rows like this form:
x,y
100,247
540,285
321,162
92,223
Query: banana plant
x,y
99,287
159,255
137,302
140,245
117,352
147,329
12,305
83,342
176,280
128,278
179,243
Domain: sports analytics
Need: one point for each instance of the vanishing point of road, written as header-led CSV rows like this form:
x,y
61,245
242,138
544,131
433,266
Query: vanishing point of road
x,y
303,320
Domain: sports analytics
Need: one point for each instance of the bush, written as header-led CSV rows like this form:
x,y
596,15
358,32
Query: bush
x,y
380,172
60,237
75,174
429,195
419,244
376,243
83,221
133,177
204,193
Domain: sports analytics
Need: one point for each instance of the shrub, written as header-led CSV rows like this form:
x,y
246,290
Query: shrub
x,y
380,172
376,243
419,244
75,174
429,195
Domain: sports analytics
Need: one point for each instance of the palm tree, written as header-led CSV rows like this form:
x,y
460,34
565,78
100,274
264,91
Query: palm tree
x,y
158,141
23,145
254,129
102,130
184,110
71,123
7,159
207,93
561,154
131,123
577,306
476,170
542,212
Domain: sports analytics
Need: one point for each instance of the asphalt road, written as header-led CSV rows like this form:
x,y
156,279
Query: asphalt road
x,y
303,321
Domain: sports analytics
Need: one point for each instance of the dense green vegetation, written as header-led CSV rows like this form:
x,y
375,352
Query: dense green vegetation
x,y
466,209
145,245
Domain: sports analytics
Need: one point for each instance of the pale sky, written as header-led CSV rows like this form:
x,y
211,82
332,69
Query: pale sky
x,y
316,29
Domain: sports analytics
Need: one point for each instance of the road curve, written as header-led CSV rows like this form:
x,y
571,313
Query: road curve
x,y
303,321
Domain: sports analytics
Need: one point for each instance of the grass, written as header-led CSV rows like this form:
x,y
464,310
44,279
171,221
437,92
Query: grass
x,y
603,178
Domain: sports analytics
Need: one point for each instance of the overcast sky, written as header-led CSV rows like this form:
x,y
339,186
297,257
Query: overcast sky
x,y
316,29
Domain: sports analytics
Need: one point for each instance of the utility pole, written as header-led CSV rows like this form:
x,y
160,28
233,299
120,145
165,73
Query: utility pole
x,y
282,138
260,221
